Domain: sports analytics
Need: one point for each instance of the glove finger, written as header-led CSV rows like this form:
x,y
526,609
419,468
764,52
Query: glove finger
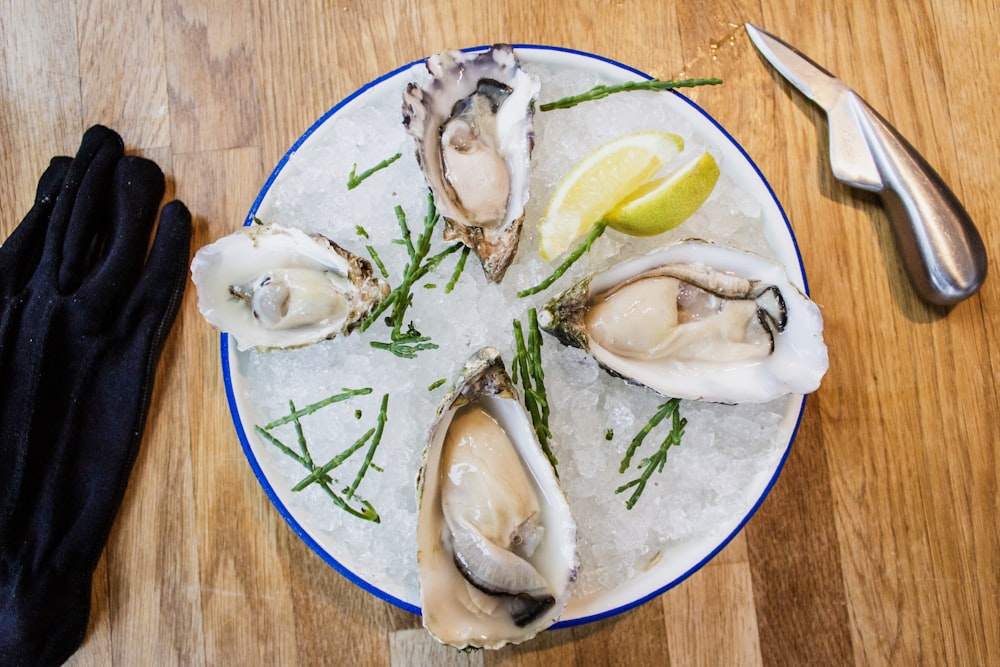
x,y
136,193
81,212
20,253
157,296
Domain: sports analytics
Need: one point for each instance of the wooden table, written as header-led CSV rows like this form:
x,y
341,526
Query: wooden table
x,y
879,543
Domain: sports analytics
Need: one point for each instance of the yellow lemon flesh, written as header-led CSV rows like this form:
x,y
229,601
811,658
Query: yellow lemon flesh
x,y
598,182
664,203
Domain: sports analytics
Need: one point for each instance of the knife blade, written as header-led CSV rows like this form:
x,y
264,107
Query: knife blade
x,y
942,250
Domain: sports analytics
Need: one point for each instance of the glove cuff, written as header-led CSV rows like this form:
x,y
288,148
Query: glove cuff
x,y
43,616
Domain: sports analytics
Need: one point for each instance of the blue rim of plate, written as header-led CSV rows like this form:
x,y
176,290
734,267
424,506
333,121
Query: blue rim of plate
x,y
301,531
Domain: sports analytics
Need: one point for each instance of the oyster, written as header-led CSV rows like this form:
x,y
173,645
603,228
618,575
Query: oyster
x,y
696,320
496,544
270,286
472,122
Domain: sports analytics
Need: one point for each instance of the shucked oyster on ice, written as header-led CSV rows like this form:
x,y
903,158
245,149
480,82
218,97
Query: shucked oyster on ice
x,y
472,122
270,286
496,544
696,320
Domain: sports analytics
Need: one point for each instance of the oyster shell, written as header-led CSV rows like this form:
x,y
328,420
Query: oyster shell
x,y
270,287
496,544
696,320
472,122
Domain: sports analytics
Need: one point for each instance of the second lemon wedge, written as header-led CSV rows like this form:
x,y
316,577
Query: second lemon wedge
x,y
664,203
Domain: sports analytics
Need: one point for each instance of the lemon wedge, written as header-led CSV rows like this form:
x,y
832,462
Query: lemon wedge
x,y
664,203
598,182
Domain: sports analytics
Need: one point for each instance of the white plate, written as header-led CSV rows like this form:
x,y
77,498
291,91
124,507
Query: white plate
x,y
277,200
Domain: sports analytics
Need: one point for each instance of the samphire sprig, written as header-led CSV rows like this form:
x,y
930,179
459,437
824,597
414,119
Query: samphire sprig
x,y
527,365
320,474
599,92
355,179
407,342
578,252
653,463
406,345
459,266
378,260
318,405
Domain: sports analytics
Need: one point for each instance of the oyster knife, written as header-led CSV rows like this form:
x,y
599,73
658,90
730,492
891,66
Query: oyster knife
x,y
942,251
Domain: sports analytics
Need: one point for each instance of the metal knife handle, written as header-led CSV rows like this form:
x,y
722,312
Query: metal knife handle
x,y
941,248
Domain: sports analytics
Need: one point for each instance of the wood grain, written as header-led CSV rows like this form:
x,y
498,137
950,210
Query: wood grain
x,y
879,543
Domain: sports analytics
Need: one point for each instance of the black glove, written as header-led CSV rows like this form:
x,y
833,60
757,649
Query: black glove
x,y
83,317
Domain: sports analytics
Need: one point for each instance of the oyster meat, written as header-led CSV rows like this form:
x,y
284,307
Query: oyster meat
x,y
270,287
496,544
699,321
472,122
